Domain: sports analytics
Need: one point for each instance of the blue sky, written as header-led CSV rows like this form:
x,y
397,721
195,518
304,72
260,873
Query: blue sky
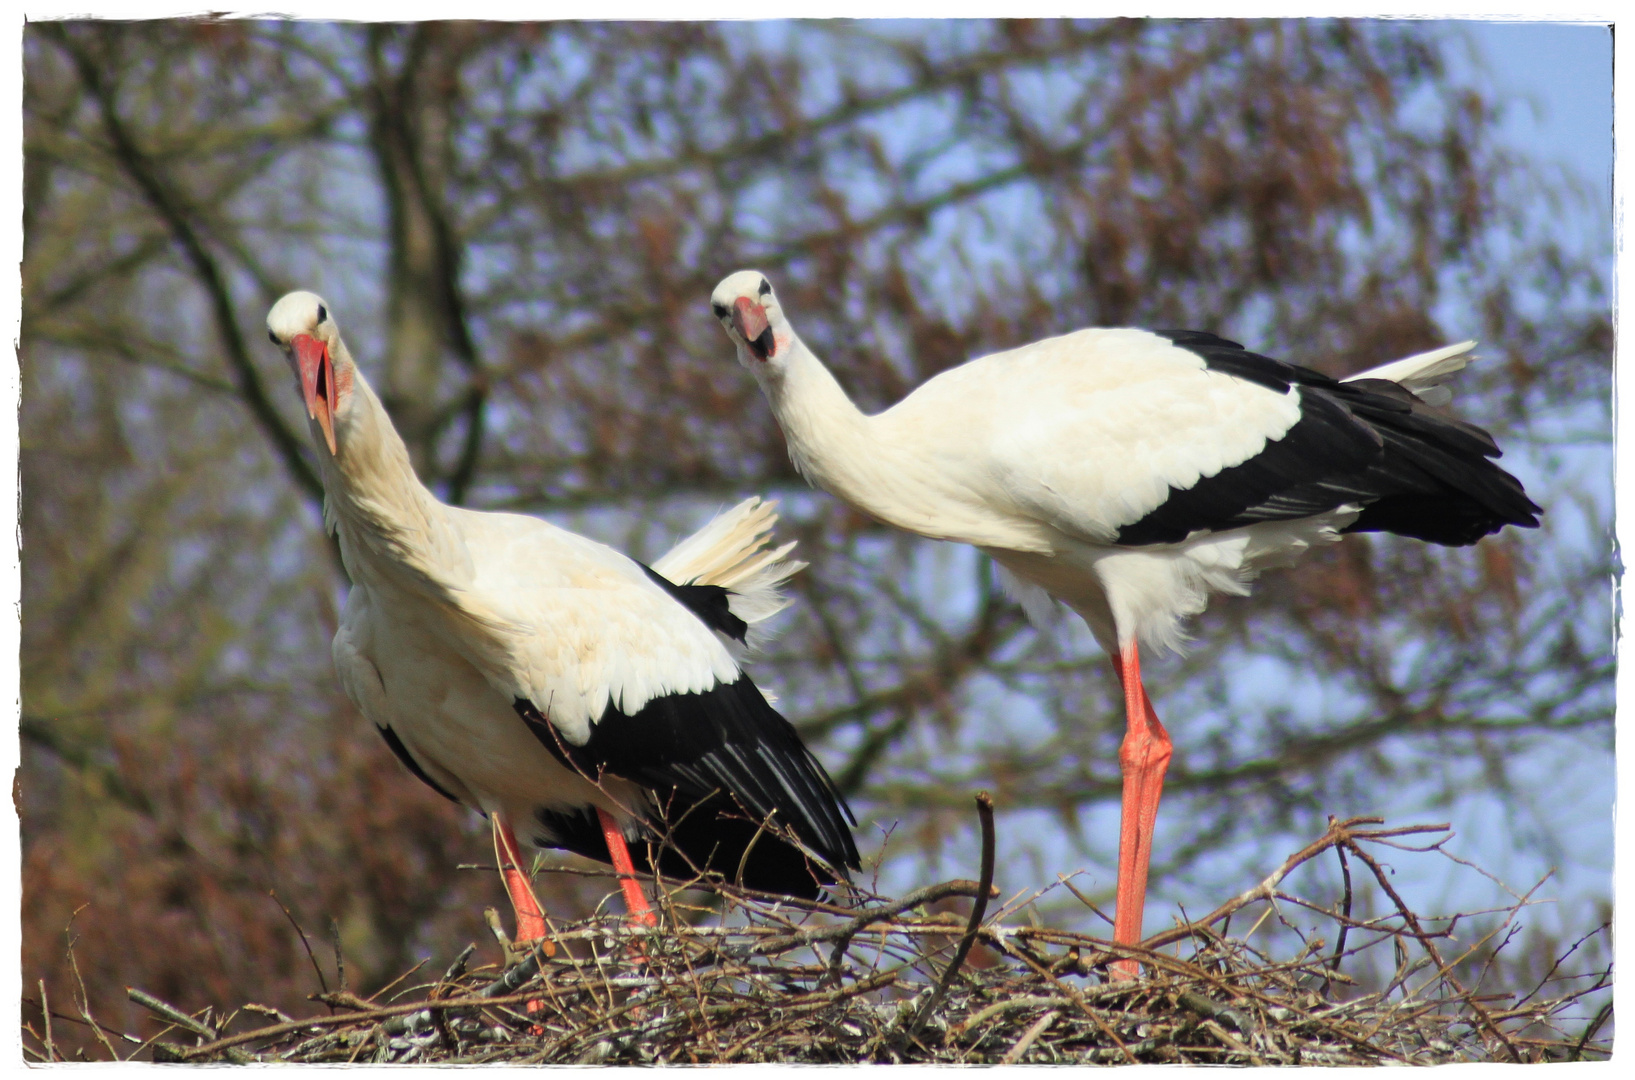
x,y
1565,71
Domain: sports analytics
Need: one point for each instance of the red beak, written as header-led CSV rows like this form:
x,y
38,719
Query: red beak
x,y
749,319
317,382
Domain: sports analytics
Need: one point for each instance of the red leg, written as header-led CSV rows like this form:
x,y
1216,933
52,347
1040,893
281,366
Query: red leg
x,y
1143,757
635,903
530,919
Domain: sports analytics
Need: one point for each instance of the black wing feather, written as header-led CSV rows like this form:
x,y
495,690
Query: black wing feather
x,y
713,836
708,602
1370,442
726,760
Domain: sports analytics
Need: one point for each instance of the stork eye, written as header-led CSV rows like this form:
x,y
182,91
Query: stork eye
x,y
720,310
274,339
766,286
322,314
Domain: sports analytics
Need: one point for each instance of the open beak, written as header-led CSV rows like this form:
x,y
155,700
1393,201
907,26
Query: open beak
x,y
317,382
749,319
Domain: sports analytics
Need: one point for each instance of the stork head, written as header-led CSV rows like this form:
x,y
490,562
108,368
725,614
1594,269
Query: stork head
x,y
302,326
749,310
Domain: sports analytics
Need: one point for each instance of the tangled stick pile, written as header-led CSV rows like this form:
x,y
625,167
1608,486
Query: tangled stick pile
x,y
750,979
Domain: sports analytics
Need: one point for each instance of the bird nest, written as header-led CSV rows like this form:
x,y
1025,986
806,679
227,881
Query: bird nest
x,y
749,978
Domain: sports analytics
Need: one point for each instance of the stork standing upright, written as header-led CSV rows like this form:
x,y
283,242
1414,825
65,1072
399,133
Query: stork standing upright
x,y
1130,474
570,694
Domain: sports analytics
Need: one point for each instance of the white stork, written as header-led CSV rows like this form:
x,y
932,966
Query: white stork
x,y
1130,474
574,696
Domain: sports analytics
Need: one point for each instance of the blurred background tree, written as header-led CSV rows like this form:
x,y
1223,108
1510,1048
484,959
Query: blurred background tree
x,y
519,226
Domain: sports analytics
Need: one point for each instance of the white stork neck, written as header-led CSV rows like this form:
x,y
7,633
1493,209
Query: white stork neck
x,y
881,466
384,517
822,426
850,454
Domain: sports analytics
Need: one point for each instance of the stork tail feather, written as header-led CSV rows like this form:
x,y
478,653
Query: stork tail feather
x,y
734,551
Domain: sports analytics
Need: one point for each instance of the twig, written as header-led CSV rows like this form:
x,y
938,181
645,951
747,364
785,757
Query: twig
x,y
345,999
31,1053
323,984
335,943
84,1002
171,1013
1561,960
1014,1054
984,810
998,1008
1210,1009
513,978
714,885
106,1030
1345,912
1589,1033
1083,899
755,1035
267,1010
372,1016
383,991
458,968
45,1011
1338,833
851,927
743,860
1078,999
1411,921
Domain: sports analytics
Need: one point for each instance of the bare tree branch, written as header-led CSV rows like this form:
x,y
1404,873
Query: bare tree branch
x,y
168,204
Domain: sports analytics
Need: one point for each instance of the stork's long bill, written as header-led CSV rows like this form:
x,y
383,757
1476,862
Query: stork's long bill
x,y
749,319
317,382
